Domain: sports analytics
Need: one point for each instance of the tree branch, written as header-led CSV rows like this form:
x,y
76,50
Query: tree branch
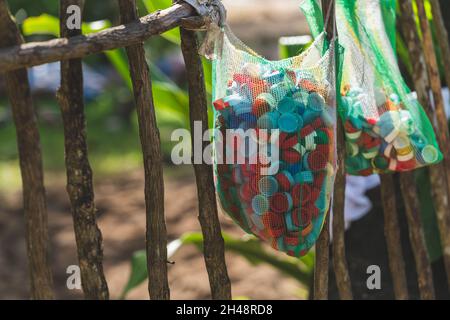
x,y
156,234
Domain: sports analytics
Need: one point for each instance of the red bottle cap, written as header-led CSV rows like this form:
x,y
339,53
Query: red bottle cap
x,y
317,160
289,141
292,238
301,194
285,180
246,192
291,156
407,165
281,202
306,130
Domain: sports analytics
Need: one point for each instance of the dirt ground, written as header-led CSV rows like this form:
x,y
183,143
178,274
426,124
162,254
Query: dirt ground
x,y
121,218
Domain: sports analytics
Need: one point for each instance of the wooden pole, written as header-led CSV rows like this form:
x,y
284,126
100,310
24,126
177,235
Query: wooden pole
x,y
36,53
79,173
338,249
393,239
439,187
28,142
156,234
323,242
442,36
213,243
416,236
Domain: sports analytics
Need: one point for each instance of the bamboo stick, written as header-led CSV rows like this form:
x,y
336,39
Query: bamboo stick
x,y
156,234
29,146
79,173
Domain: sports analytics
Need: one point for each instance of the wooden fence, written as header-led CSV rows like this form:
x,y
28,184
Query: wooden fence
x,y
16,56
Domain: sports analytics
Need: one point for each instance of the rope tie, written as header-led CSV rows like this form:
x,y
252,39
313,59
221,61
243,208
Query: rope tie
x,y
214,15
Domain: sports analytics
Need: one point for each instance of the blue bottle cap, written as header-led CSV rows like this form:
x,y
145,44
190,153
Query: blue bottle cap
x,y
316,102
268,120
287,105
260,204
304,177
290,122
268,185
290,226
274,76
280,90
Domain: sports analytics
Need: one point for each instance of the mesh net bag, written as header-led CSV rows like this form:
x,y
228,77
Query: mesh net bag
x,y
274,157
386,128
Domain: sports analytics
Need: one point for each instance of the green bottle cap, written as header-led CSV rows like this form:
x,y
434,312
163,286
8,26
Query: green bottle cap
x,y
430,154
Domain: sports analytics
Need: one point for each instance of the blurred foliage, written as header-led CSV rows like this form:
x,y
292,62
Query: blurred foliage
x,y
247,247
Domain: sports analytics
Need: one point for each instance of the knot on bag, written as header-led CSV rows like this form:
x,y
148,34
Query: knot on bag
x,y
213,15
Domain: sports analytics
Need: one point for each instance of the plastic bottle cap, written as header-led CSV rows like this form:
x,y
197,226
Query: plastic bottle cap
x,y
290,226
260,204
268,121
279,90
406,157
380,162
268,98
430,154
301,194
352,149
309,116
316,102
353,135
289,123
370,154
287,105
273,76
268,185
304,177
285,180
317,160
251,69
291,156
281,202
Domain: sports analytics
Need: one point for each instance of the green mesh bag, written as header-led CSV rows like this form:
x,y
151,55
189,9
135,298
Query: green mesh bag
x,y
279,117
386,128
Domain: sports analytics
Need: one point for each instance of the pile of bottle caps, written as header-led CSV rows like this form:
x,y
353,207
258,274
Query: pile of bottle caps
x,y
285,207
387,140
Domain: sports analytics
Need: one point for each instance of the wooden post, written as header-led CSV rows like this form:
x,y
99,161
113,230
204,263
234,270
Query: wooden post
x,y
442,36
28,142
416,236
339,257
323,242
393,240
439,188
213,244
36,53
156,234
79,173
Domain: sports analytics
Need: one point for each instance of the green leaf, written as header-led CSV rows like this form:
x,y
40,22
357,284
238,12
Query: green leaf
x,y
46,24
138,272
43,24
250,248
172,35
